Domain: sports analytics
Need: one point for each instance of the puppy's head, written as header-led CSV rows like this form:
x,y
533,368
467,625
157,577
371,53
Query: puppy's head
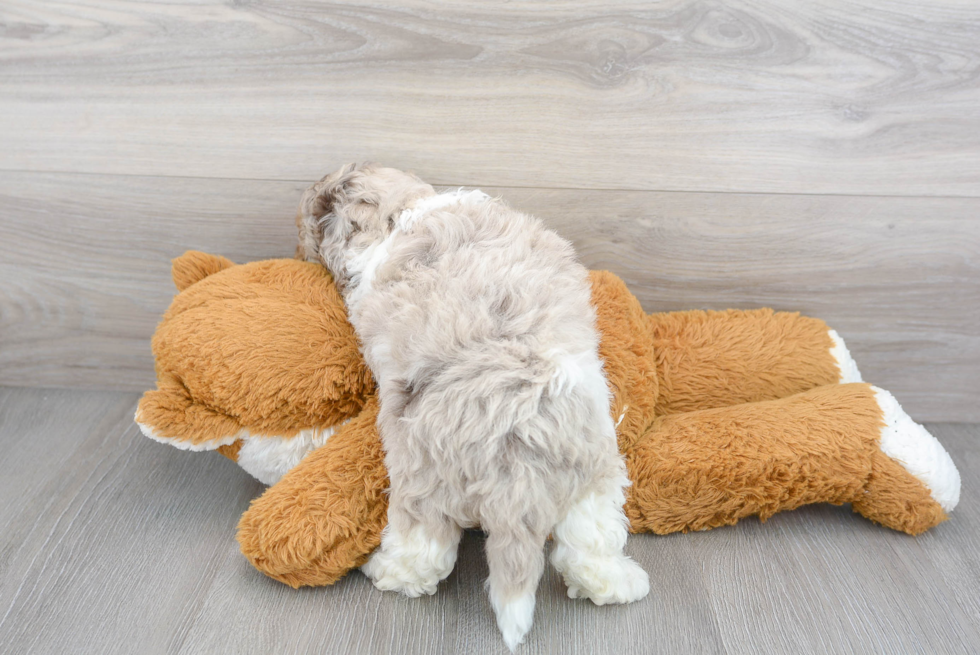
x,y
350,209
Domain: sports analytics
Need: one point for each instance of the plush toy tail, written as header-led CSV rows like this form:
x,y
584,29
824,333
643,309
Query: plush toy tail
x,y
194,266
833,444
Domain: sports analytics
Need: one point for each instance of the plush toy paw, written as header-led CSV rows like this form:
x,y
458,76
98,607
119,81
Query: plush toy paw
x,y
842,357
919,453
913,483
607,580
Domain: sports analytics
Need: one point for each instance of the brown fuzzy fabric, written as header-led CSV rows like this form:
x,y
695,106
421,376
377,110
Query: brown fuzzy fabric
x,y
264,347
627,351
325,516
193,266
721,415
896,499
712,467
231,450
719,359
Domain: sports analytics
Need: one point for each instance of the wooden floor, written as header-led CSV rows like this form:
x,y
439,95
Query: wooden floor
x,y
112,543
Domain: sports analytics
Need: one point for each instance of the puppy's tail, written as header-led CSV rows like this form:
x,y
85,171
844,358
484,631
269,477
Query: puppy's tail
x,y
515,554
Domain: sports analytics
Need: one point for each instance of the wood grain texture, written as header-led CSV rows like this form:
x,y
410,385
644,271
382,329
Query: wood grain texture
x,y
85,261
850,97
115,544
96,555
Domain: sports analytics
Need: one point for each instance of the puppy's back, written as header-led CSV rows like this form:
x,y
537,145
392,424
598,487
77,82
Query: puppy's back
x,y
490,323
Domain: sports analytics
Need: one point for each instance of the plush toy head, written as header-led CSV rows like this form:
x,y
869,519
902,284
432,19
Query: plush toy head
x,y
262,350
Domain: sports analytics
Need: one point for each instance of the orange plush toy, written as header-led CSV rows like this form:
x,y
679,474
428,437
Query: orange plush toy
x,y
720,415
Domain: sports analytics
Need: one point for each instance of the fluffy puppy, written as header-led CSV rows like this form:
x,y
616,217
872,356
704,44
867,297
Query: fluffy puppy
x,y
494,409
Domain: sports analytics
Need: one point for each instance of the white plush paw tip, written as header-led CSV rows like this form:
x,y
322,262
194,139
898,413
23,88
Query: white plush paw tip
x,y
845,363
920,453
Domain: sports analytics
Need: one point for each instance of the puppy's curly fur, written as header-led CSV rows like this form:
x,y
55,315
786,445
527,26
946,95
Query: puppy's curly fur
x,y
494,410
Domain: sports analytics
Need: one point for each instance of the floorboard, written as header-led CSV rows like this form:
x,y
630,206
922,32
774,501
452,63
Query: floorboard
x,y
112,543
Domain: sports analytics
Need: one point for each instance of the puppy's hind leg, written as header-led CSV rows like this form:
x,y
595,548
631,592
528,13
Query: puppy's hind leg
x,y
588,550
515,555
416,554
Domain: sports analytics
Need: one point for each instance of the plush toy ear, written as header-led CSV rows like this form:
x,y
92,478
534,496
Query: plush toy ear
x,y
194,266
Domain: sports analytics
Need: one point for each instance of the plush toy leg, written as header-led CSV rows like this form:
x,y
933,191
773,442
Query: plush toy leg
x,y
719,359
834,444
325,516
689,472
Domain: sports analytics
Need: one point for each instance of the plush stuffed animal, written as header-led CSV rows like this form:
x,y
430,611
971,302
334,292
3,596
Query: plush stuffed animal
x,y
720,415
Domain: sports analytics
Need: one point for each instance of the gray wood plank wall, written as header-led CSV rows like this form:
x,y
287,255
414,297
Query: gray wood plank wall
x,y
818,157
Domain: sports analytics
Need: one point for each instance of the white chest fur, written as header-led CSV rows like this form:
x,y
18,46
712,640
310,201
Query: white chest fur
x,y
363,266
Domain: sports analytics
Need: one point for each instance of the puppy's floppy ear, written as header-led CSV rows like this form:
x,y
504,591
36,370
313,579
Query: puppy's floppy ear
x,y
310,235
317,204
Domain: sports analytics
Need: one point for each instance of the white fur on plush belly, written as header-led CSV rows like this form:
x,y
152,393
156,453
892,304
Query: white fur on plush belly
x,y
920,453
267,459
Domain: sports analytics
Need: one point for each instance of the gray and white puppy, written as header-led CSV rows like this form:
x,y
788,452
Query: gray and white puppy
x,y
494,410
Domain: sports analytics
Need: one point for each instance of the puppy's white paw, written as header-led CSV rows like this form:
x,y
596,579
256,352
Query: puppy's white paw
x,y
607,580
394,574
413,563
514,618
